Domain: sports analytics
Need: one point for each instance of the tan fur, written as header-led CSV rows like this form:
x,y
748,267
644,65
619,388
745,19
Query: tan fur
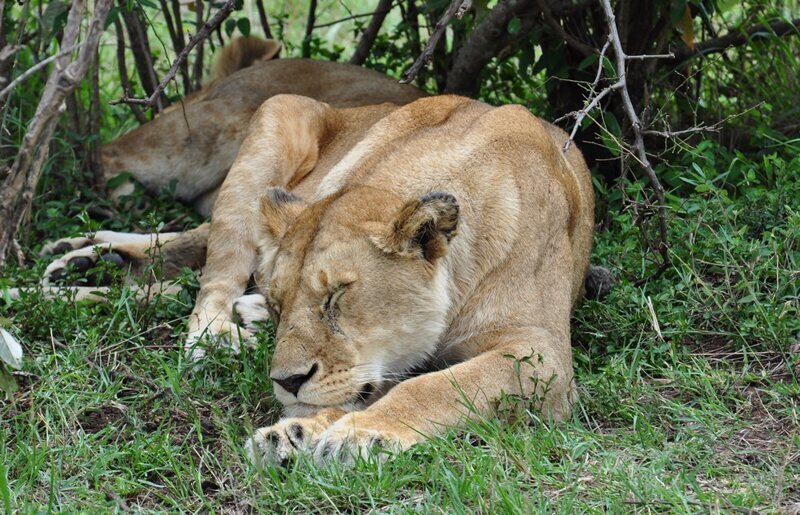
x,y
195,141
445,234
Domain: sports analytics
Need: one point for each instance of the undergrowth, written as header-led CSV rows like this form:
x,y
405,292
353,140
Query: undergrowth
x,y
689,406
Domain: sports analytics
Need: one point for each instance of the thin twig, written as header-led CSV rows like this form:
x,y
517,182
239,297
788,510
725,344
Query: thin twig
x,y
595,98
350,18
638,143
457,8
684,132
35,68
204,31
649,56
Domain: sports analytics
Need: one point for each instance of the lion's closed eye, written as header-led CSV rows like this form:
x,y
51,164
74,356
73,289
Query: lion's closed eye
x,y
330,306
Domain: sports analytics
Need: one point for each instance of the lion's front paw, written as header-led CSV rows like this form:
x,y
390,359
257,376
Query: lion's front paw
x,y
249,310
353,437
217,333
276,445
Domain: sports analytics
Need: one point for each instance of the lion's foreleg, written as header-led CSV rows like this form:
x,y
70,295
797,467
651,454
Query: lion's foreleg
x,y
533,364
282,144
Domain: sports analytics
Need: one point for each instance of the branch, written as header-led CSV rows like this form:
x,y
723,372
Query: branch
x,y
457,8
140,47
638,143
123,71
739,38
491,36
262,17
485,42
204,31
178,44
349,18
33,69
312,18
197,69
368,38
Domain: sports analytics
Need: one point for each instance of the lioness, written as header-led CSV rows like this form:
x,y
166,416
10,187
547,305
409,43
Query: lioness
x,y
433,264
444,236
194,142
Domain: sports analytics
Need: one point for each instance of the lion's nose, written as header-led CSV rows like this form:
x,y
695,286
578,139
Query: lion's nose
x,y
293,383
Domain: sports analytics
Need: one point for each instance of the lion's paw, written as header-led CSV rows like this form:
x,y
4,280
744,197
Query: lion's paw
x,y
276,445
218,333
80,267
249,310
347,440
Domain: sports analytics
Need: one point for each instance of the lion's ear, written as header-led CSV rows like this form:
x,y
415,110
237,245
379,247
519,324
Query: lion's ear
x,y
279,208
423,227
271,49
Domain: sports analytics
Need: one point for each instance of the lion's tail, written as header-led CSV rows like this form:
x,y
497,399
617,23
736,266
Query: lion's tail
x,y
243,52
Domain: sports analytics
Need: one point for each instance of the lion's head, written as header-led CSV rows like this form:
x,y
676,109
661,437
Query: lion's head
x,y
357,289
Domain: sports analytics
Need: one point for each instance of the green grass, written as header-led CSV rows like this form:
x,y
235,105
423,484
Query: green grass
x,y
702,418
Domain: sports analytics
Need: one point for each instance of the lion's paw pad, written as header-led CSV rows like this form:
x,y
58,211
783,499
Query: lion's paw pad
x,y
64,245
89,266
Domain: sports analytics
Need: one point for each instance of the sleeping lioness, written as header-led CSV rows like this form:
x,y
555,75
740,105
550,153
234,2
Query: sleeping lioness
x,y
195,141
445,236
415,260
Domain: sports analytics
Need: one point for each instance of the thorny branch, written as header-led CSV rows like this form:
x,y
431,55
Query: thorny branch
x,y
457,8
203,33
640,152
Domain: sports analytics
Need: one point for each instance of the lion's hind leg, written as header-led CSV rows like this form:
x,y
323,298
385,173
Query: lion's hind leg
x,y
146,257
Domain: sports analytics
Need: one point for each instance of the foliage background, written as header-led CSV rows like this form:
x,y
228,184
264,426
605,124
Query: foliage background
x,y
689,382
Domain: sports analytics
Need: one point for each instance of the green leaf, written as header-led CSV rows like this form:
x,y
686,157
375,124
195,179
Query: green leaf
x,y
514,25
113,14
55,16
230,26
244,26
587,61
119,180
612,124
676,10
